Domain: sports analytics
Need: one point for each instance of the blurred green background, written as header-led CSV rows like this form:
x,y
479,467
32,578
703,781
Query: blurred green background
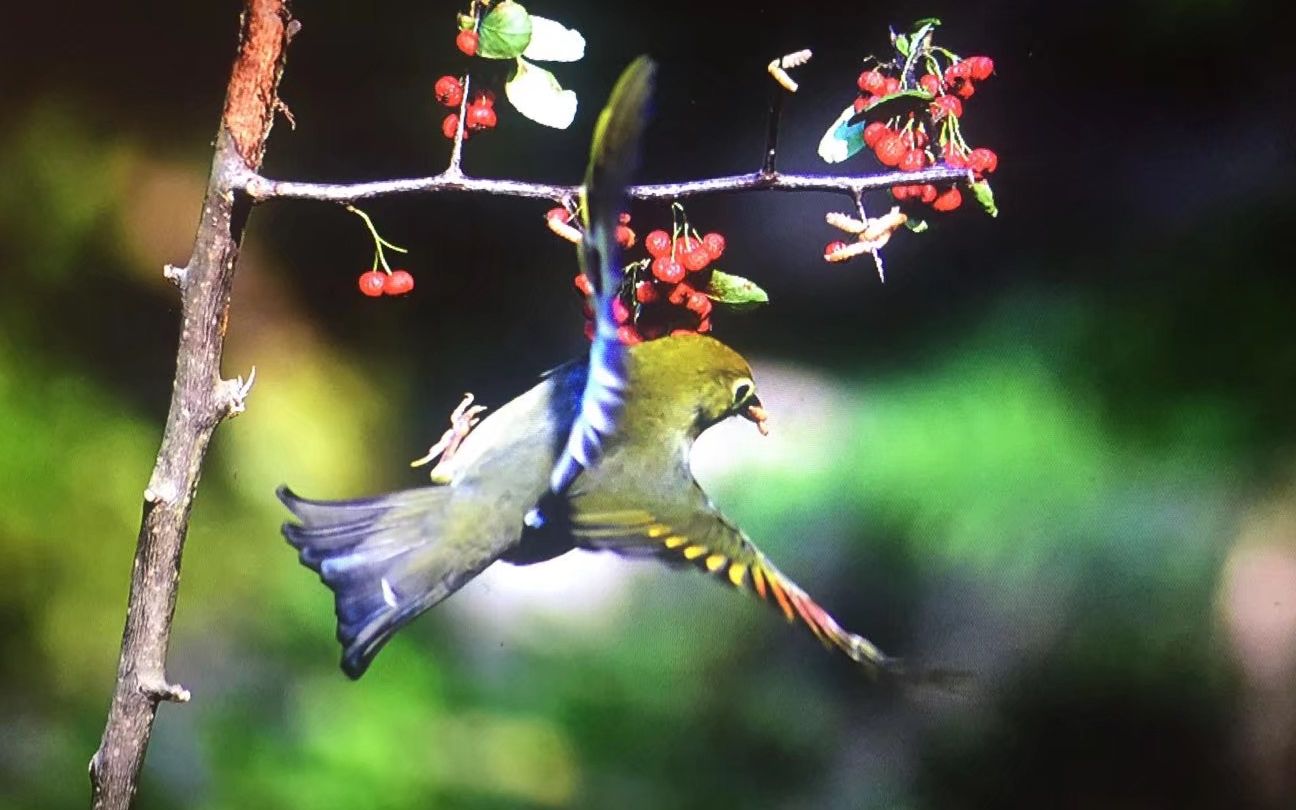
x,y
1055,448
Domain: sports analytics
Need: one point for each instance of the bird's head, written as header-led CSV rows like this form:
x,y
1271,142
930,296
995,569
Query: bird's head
x,y
690,382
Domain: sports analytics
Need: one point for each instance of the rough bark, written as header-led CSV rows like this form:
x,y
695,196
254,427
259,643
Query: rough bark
x,y
200,399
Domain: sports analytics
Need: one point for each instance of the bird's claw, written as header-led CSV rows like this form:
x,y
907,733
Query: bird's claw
x,y
462,420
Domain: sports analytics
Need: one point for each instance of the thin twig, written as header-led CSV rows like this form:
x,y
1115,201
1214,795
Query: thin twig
x,y
200,400
261,188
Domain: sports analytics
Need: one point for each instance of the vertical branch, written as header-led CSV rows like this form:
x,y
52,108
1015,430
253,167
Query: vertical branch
x,y
770,164
778,71
200,399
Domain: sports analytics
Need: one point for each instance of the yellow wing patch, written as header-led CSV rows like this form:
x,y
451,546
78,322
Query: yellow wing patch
x,y
738,574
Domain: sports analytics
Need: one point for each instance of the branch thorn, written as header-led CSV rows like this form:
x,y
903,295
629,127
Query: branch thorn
x,y
235,393
176,275
157,688
160,493
282,106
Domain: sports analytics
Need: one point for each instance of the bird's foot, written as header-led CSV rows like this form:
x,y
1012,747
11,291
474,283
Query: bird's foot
x,y
462,420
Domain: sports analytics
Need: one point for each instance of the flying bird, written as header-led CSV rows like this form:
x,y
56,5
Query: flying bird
x,y
594,456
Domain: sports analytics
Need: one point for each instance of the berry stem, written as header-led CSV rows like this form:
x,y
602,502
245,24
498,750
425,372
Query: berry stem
x,y
379,243
918,43
453,170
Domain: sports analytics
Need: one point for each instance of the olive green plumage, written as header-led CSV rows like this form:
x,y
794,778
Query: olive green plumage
x,y
594,456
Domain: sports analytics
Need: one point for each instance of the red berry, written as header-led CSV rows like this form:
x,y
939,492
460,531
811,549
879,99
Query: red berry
x,y
466,41
624,217
667,269
699,303
625,237
486,98
657,243
450,126
480,116
913,160
704,325
697,259
874,132
628,335
946,105
561,214
930,83
620,312
680,294
862,103
646,292
582,283
399,282
901,192
890,150
953,157
891,85
948,200
449,91
927,192
959,70
675,332
870,81
965,90
982,160
979,67
372,282
714,244
833,247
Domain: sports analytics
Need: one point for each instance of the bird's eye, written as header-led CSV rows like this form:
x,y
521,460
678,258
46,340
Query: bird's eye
x,y
742,389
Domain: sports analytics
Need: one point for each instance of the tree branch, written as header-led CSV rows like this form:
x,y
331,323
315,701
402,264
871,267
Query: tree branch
x,y
200,400
261,188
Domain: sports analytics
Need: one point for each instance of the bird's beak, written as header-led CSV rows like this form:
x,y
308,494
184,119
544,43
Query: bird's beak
x,y
756,413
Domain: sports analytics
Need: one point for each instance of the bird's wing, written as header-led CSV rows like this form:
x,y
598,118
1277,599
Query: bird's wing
x,y
614,156
695,532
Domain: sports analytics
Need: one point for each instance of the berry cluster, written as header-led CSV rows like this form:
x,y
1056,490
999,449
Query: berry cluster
x,y
374,283
382,279
479,115
908,141
664,293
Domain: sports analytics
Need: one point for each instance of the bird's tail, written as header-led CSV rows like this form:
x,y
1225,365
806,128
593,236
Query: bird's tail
x,y
381,558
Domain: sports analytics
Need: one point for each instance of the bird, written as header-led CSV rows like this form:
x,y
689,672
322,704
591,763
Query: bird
x,y
594,456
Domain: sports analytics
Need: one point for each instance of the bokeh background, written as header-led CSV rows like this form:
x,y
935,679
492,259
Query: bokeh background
x,y
1056,448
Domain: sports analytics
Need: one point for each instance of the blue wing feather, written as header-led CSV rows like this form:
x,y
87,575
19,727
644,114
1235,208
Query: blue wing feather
x,y
614,156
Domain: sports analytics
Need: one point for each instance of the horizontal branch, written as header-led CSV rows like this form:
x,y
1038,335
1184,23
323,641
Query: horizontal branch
x,y
262,188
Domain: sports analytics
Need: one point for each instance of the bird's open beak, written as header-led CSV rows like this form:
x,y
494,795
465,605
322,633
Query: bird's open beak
x,y
756,413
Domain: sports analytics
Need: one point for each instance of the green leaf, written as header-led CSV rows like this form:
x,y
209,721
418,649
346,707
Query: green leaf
x,y
843,139
925,22
554,42
901,43
916,225
536,93
735,291
981,190
505,32
887,107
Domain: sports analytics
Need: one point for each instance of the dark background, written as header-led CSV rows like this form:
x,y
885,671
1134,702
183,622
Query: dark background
x,y
1054,447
